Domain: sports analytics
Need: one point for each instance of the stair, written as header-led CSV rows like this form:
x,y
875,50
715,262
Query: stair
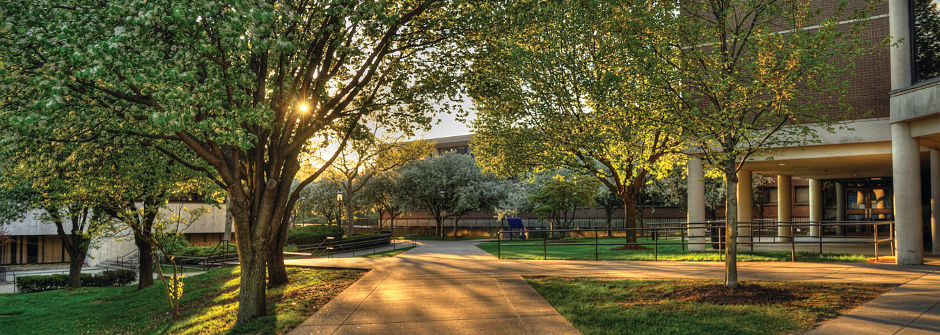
x,y
129,262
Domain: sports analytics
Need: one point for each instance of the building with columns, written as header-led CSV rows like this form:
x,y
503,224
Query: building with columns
x,y
883,166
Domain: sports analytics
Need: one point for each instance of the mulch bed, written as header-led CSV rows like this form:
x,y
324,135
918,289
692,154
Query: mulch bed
x,y
720,294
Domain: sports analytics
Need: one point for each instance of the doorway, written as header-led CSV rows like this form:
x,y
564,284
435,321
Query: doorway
x,y
867,203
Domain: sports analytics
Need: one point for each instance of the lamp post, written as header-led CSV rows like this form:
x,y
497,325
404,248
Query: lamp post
x,y
339,199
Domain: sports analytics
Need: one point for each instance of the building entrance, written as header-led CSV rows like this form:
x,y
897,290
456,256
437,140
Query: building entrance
x,y
868,201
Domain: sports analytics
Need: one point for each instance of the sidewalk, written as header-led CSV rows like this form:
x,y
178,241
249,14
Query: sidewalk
x,y
452,287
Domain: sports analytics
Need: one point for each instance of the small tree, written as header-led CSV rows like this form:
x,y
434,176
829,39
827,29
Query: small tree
x,y
751,76
319,198
366,158
558,199
442,186
382,195
610,202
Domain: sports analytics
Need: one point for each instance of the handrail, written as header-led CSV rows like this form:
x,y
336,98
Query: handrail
x,y
689,236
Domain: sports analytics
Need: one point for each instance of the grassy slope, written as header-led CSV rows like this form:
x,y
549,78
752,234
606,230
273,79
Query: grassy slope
x,y
532,249
209,306
645,307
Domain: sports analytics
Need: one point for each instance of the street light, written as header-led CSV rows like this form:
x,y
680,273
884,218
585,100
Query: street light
x,y
339,198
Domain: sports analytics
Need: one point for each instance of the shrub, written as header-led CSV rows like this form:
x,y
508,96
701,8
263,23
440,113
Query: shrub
x,y
313,234
28,284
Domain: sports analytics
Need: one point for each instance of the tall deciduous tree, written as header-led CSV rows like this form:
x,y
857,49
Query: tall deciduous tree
x,y
243,84
752,76
559,199
562,88
367,157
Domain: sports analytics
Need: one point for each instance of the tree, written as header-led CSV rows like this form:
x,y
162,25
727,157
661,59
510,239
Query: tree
x,y
515,202
752,76
610,202
319,198
483,194
562,88
368,157
444,186
558,199
243,84
382,193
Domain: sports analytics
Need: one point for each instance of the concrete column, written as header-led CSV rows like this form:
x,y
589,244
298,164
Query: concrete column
x,y
815,207
745,205
784,206
935,201
908,223
899,22
840,207
696,203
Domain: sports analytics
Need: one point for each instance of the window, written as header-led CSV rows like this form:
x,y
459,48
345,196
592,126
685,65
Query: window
x,y
925,33
802,194
770,196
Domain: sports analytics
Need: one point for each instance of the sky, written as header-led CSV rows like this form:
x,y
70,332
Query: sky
x,y
446,125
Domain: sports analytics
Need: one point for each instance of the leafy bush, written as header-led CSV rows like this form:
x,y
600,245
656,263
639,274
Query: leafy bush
x,y
28,284
313,234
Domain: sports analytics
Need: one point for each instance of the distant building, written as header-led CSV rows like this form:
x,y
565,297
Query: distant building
x,y
35,241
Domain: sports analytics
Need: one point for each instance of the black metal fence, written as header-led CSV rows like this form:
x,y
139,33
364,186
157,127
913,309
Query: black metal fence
x,y
330,247
712,235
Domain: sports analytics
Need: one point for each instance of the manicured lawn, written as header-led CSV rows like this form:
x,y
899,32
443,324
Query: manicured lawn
x,y
387,253
532,249
598,306
209,306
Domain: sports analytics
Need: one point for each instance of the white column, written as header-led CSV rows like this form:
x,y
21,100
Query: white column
x,y
696,203
935,201
899,24
840,207
908,223
784,206
815,207
745,205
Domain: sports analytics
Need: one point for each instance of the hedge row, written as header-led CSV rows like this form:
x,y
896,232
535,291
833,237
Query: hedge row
x,y
28,284
313,234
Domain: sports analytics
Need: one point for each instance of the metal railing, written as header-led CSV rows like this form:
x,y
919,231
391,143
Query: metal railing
x,y
330,247
713,234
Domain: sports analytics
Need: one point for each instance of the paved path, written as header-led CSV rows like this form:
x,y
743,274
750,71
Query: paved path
x,y
452,287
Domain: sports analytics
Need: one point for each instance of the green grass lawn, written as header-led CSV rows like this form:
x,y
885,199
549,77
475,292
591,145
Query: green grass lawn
x,y
598,306
387,253
532,249
209,306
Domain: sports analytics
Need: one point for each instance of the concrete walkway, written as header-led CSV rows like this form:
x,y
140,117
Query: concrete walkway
x,y
453,287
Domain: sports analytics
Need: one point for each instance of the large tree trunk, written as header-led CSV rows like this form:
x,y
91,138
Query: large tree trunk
x,y
251,256
277,272
629,220
731,226
456,218
145,260
76,260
